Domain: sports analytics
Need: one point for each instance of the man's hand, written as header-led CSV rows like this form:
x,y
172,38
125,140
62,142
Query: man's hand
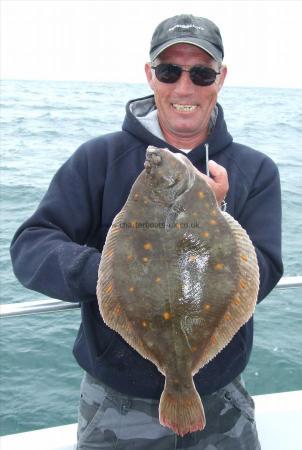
x,y
218,181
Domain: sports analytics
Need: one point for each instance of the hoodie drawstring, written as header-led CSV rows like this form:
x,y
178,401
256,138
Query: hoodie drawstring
x,y
223,205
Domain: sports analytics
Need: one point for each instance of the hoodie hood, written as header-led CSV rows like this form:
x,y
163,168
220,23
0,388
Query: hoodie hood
x,y
218,139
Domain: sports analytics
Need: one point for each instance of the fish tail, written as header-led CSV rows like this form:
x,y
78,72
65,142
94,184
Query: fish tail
x,y
181,410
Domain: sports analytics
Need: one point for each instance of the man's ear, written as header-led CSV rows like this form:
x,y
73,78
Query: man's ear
x,y
149,75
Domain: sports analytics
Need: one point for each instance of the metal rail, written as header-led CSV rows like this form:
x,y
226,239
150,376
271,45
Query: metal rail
x,y
35,307
51,305
286,282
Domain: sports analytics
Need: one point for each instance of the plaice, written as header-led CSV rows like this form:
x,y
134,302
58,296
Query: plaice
x,y
177,279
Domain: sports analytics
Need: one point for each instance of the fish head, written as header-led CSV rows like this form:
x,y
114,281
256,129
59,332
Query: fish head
x,y
168,173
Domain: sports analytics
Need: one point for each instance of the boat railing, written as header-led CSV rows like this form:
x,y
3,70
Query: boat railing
x,y
52,305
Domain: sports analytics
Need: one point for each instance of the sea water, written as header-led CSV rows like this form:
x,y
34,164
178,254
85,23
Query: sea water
x,y
42,123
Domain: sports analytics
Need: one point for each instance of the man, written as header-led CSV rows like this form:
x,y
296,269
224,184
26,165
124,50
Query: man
x,y
57,250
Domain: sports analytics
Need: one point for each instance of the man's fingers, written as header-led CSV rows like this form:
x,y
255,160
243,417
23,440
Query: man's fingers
x,y
218,173
218,180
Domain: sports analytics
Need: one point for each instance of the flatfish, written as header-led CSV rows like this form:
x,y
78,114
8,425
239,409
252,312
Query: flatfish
x,y
177,279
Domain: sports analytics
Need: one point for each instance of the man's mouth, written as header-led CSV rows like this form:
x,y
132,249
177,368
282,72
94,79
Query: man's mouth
x,y
185,108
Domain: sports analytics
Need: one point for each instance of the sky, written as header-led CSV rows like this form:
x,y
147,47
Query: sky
x,y
109,40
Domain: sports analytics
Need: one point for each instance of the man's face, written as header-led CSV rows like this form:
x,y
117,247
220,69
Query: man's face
x,y
185,126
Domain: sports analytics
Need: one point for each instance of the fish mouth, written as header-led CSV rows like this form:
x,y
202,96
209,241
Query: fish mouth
x,y
153,159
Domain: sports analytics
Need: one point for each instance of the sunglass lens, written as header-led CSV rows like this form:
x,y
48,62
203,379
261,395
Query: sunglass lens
x,y
167,73
202,76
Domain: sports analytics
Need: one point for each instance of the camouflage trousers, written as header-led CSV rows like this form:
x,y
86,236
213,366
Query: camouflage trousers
x,y
110,420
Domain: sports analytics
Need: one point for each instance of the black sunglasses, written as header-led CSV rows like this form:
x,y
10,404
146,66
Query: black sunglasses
x,y
170,73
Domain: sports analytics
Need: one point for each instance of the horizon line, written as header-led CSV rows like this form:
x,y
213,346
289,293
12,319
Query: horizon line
x,y
137,82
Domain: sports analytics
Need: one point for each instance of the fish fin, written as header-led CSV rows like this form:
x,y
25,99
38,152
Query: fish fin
x,y
182,411
248,273
110,305
242,304
115,317
118,321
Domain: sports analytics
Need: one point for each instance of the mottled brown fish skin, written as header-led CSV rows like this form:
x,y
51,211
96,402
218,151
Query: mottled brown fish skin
x,y
177,279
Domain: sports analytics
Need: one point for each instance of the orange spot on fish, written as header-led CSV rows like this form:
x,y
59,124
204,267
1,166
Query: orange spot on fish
x,y
145,259
244,257
213,222
148,246
201,194
236,301
213,340
205,234
207,307
157,279
117,310
219,266
227,316
177,226
133,223
136,196
213,212
193,348
144,323
131,289
130,257
109,288
192,258
243,284
166,315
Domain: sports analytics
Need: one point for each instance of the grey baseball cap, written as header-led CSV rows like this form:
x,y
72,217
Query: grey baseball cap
x,y
189,29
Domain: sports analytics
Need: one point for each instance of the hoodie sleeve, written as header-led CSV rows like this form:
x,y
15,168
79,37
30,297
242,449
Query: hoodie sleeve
x,y
49,252
261,218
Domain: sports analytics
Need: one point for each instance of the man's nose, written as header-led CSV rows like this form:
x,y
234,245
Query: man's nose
x,y
184,84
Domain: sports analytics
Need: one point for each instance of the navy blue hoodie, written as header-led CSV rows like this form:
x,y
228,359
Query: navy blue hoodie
x,y
58,249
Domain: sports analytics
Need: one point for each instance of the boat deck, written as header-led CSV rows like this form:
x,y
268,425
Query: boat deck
x,y
278,416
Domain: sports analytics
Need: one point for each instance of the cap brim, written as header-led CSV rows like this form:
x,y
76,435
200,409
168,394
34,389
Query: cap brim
x,y
204,45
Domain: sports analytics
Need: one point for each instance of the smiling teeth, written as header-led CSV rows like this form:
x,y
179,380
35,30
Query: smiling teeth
x,y
184,107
